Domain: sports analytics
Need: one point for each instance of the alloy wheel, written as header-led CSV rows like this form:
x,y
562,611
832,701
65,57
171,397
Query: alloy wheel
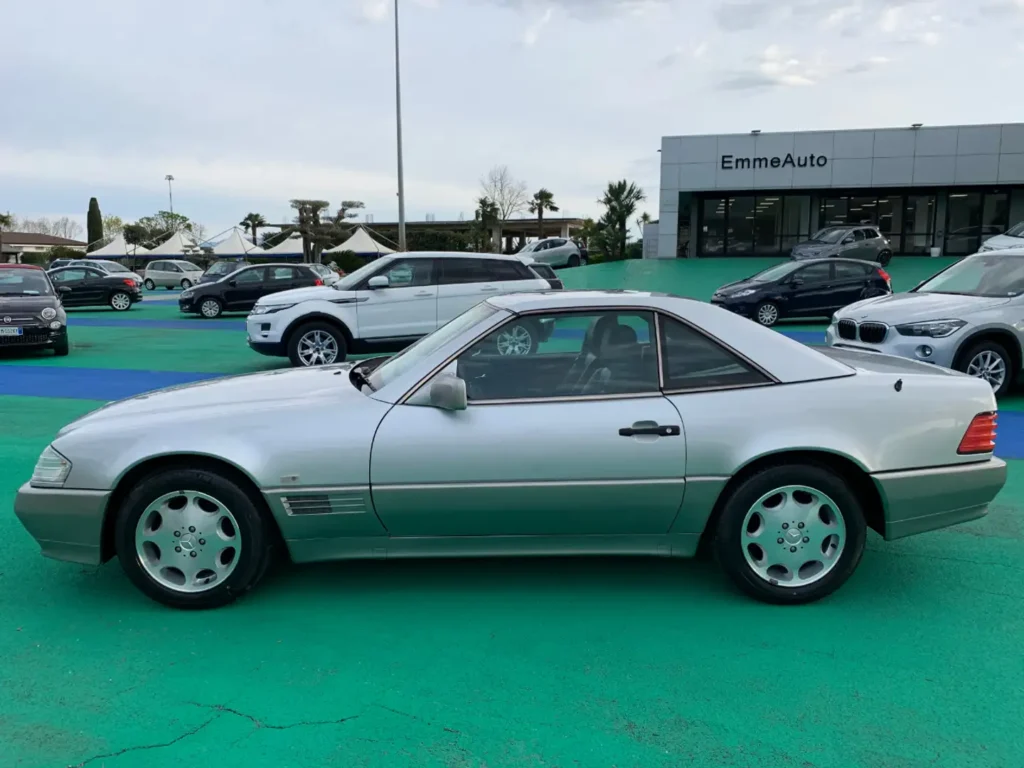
x,y
187,541
517,340
210,308
767,314
990,366
186,284
793,536
317,348
120,302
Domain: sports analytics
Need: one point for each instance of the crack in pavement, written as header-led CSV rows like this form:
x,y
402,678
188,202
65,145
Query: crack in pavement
x,y
170,743
269,726
415,717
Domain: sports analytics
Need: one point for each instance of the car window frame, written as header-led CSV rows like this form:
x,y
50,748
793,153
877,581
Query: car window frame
x,y
253,268
796,273
268,276
514,265
863,267
65,270
363,285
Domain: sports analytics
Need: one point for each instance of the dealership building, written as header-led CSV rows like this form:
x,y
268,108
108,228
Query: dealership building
x,y
930,190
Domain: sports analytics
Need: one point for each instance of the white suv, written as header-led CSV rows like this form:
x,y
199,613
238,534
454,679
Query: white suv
x,y
390,303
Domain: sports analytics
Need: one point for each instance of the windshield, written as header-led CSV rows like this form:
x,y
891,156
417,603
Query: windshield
x,y
224,268
1017,230
774,273
111,266
188,266
349,281
828,235
428,345
24,282
988,274
529,247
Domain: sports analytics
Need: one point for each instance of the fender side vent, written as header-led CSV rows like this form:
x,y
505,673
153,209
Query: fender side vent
x,y
340,503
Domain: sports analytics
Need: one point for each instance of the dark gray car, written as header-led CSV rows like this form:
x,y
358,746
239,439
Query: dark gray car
x,y
861,241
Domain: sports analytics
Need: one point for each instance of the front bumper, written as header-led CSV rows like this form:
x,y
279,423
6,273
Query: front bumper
x,y
188,305
265,330
921,500
743,307
34,337
67,524
942,351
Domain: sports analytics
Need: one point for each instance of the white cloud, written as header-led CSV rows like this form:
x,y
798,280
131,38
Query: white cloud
x,y
890,20
374,10
532,33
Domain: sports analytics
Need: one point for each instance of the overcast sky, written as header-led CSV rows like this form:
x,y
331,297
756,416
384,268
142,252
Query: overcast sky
x,y
252,102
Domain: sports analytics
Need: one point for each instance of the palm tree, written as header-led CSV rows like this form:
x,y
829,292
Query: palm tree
x,y
253,222
488,214
620,201
542,201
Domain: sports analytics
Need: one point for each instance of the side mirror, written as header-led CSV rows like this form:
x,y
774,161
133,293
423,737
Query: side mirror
x,y
378,281
64,289
847,241
232,283
448,392
796,282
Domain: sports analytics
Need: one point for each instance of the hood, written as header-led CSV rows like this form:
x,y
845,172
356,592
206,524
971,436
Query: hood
x,y
810,248
228,399
295,295
999,242
739,285
918,307
31,304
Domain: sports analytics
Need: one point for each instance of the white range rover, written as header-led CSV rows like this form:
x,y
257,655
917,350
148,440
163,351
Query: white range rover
x,y
391,302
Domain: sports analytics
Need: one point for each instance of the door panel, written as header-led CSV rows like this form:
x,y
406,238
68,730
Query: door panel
x,y
814,295
529,469
850,282
243,290
407,307
463,283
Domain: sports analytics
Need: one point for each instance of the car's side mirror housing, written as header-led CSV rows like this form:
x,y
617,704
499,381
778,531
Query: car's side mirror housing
x,y
378,281
64,289
448,392
847,241
796,282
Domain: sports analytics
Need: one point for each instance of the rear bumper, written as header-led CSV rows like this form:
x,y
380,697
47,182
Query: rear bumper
x,y
67,524
922,500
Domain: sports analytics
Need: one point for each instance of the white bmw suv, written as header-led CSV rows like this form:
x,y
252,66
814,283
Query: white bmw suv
x,y
391,302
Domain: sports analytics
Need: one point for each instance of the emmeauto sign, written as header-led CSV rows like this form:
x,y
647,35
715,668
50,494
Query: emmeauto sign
x,y
731,163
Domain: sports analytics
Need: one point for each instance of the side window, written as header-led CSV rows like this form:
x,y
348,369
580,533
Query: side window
x,y
577,354
816,273
693,361
858,234
409,273
249,276
871,234
168,267
456,271
92,273
557,243
847,271
504,270
66,275
282,273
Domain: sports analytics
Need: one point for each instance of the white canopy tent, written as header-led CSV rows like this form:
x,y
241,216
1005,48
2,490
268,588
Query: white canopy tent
x,y
289,247
117,249
178,244
236,246
361,244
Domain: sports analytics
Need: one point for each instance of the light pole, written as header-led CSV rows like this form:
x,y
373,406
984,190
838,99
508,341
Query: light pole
x,y
170,194
398,115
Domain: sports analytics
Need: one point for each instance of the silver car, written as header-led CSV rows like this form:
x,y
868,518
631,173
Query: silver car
x,y
553,251
861,241
967,317
645,425
171,273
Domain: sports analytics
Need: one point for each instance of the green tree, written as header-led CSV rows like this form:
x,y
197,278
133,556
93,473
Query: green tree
x,y
94,225
485,217
542,200
149,230
253,222
620,201
348,210
309,223
6,222
112,227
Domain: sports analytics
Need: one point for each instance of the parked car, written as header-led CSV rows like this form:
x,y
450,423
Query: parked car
x,y
240,290
577,449
171,273
220,269
388,304
31,315
84,286
110,267
966,317
807,288
1011,238
860,241
58,263
325,273
553,251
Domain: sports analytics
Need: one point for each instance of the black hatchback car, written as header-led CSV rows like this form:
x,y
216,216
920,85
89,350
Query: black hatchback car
x,y
85,286
240,290
808,288
31,315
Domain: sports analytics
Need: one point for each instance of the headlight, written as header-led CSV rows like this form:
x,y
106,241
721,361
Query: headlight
x,y
258,310
186,294
935,329
744,292
48,313
51,470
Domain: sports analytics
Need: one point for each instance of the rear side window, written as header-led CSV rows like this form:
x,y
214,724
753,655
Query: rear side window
x,y
847,271
283,273
506,270
858,234
455,271
816,273
693,361
543,270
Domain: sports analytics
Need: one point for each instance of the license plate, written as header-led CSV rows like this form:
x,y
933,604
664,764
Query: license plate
x,y
8,331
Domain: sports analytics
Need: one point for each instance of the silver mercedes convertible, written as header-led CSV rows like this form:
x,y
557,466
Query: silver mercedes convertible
x,y
642,424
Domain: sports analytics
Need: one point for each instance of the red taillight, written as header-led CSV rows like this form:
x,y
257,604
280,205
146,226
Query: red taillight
x,y
318,282
980,436
884,275
129,282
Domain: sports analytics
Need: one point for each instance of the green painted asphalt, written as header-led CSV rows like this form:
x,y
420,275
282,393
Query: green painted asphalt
x,y
914,663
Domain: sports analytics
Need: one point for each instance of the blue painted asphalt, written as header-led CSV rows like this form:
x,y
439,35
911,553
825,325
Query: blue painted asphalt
x,y
197,324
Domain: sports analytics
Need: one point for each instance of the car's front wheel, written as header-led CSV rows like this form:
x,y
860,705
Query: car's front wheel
x,y
791,533
767,313
316,344
517,339
990,361
192,538
150,285
186,284
120,301
210,308
61,347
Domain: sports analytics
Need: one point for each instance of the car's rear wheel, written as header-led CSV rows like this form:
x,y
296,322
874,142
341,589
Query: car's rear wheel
x,y
210,308
884,258
61,347
519,338
574,260
186,284
120,301
990,361
791,533
192,538
767,313
150,285
316,344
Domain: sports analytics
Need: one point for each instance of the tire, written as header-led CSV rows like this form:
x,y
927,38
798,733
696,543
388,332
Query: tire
x,y
804,494
238,547
186,284
150,285
767,313
120,301
988,356
517,339
210,308
884,258
574,261
316,344
61,347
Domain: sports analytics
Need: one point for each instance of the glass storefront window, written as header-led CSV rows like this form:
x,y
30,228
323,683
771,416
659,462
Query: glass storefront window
x,y
963,223
767,225
796,222
862,210
890,220
833,211
995,213
918,223
740,232
747,225
684,235
713,227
